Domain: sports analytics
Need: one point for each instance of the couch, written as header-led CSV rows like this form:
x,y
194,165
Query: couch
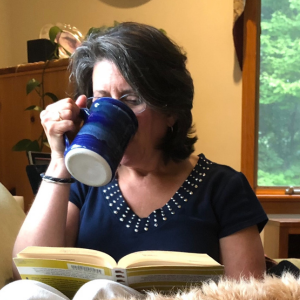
x,y
12,216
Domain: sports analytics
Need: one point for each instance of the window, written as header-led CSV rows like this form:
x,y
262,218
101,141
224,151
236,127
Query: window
x,y
258,73
279,94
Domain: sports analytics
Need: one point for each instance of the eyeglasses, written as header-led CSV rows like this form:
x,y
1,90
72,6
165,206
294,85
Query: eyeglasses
x,y
134,102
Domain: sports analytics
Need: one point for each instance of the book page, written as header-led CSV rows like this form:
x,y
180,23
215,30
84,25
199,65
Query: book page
x,y
166,258
80,255
171,278
64,275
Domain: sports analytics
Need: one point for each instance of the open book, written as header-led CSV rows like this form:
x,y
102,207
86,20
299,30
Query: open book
x,y
67,269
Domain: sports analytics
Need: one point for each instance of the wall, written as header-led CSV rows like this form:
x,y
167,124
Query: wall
x,y
203,28
6,58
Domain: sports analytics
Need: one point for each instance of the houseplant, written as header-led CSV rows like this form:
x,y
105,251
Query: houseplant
x,y
38,86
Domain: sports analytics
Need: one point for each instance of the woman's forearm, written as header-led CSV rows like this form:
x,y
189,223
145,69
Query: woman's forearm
x,y
45,224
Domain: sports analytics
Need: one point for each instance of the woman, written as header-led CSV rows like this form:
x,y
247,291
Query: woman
x,y
164,197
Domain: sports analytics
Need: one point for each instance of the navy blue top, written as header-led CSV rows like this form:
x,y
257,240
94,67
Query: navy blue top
x,y
213,202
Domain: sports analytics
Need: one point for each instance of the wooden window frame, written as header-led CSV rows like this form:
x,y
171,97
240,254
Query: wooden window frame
x,y
273,200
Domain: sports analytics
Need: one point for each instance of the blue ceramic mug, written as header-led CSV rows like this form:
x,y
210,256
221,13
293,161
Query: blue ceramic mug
x,y
97,150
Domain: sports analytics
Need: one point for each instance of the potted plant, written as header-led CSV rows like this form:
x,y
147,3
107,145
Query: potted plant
x,y
38,86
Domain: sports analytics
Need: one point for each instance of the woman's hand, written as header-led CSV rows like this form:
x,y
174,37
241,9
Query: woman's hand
x,y
61,117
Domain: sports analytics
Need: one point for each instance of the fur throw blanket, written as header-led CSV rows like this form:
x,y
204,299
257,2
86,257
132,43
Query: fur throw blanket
x,y
286,287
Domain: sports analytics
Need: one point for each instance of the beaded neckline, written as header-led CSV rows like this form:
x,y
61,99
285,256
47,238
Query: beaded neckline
x,y
158,217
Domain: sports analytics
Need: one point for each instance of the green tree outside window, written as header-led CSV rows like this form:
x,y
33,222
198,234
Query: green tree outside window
x,y
279,111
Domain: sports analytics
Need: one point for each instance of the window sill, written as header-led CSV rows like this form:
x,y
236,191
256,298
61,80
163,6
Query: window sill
x,y
275,201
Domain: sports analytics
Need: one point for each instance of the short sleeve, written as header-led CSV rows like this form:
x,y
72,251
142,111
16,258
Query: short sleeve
x,y
237,206
78,194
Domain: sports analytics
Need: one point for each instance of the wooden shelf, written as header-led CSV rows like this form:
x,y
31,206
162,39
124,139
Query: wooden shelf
x,y
17,124
277,234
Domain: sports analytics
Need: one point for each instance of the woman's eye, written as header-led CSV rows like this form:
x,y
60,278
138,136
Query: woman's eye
x,y
131,100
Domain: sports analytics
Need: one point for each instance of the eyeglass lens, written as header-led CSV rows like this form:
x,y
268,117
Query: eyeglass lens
x,y
133,101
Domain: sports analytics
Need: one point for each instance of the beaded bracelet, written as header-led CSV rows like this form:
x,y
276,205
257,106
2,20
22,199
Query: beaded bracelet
x,y
57,180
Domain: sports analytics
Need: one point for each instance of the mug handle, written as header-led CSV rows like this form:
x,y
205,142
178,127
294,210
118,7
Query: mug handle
x,y
84,114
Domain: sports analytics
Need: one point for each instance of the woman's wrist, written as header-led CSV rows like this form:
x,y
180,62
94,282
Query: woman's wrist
x,y
56,180
57,168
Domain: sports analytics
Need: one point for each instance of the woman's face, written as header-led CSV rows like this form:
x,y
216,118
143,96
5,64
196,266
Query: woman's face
x,y
153,125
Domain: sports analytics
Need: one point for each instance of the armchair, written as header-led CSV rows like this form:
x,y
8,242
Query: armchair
x,y
11,219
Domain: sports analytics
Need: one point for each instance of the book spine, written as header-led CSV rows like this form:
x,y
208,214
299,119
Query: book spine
x,y
120,276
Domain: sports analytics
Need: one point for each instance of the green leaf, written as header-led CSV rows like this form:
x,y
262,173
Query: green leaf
x,y
31,85
34,107
90,31
67,52
26,145
52,96
101,29
163,31
53,32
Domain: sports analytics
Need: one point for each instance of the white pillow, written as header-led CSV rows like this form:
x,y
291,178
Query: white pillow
x,y
11,219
